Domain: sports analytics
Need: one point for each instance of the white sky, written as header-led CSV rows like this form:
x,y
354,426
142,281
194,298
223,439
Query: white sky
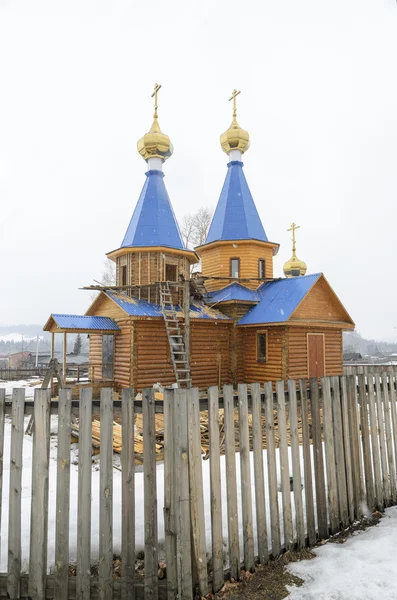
x,y
319,99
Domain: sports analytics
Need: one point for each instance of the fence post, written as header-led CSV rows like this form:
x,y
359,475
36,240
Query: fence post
x,y
128,494
246,496
369,483
215,484
257,443
311,527
339,451
2,421
231,482
105,587
169,495
321,502
284,466
296,468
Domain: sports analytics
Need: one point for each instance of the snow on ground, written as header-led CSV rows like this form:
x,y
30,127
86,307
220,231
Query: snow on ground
x,y
365,566
29,386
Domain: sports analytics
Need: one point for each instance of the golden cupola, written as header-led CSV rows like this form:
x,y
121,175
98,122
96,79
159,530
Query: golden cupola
x,y
235,138
294,267
155,143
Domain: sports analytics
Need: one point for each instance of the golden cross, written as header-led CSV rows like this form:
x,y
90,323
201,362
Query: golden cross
x,y
233,97
293,229
157,86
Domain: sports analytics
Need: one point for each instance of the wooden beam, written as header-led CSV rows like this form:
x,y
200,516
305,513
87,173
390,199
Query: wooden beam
x,y
186,310
64,354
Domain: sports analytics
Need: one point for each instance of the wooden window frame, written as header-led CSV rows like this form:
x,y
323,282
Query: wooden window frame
x,y
231,270
258,333
262,260
307,352
123,269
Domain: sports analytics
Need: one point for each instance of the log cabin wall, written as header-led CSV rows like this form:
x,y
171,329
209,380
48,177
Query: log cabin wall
x,y
95,356
216,262
151,354
123,349
234,310
297,351
275,366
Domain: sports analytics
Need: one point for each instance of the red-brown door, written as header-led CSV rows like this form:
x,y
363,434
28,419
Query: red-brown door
x,y
315,354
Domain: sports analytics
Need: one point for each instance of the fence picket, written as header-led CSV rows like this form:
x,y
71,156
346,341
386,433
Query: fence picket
x,y
393,412
245,470
197,518
307,464
150,494
375,444
389,441
2,421
169,495
231,483
127,495
63,495
347,447
382,441
39,506
369,485
272,471
296,468
215,484
83,569
329,447
356,451
284,466
260,501
14,514
105,584
321,502
340,460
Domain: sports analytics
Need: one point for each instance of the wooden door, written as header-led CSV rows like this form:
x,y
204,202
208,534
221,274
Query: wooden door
x,y
315,354
108,356
170,272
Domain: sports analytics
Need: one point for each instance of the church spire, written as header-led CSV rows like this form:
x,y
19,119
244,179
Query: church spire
x,y
155,146
294,267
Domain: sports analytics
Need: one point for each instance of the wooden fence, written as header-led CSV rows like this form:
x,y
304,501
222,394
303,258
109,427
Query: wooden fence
x,y
331,451
360,369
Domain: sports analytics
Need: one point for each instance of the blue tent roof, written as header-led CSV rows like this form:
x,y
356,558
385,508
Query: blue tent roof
x,y
279,299
234,291
236,217
84,323
141,308
153,222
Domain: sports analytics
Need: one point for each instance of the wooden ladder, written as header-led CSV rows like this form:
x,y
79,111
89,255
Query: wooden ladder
x,y
179,357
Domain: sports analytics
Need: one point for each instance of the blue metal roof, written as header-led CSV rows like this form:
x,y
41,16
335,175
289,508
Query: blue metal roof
x,y
141,308
85,323
153,222
236,217
279,299
234,291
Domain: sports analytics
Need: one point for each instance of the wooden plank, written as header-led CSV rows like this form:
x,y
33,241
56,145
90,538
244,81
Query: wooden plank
x,y
127,494
347,447
150,494
296,469
215,484
329,447
272,471
321,503
14,514
106,497
375,444
382,440
63,495
83,568
197,518
307,464
260,502
369,483
184,541
393,409
39,505
2,421
389,440
231,483
245,475
339,452
284,466
355,438
169,495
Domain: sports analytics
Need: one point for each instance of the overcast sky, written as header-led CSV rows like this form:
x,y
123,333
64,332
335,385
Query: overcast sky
x,y
319,99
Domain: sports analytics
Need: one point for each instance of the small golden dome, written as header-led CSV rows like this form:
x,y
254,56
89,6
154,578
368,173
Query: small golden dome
x,y
155,143
235,138
294,267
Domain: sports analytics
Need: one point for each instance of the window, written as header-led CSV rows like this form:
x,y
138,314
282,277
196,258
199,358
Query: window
x,y
261,347
261,268
124,275
235,268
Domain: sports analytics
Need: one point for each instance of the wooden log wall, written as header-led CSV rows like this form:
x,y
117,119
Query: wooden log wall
x,y
273,368
95,356
297,351
123,352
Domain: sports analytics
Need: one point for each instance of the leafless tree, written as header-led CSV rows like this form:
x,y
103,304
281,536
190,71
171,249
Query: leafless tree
x,y
195,227
109,273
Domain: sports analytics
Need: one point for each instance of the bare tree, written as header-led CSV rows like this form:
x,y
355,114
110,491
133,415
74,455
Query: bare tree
x,y
195,227
109,272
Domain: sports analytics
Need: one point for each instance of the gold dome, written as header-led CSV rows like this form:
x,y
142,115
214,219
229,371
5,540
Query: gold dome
x,y
294,267
235,138
155,143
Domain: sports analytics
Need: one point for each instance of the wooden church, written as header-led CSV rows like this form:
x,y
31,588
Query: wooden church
x,y
235,322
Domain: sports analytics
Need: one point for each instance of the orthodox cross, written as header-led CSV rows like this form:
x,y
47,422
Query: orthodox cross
x,y
293,229
233,97
157,86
